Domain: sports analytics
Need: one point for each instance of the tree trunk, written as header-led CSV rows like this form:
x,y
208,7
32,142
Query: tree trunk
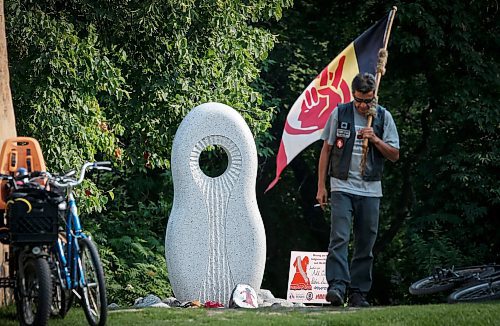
x,y
7,118
7,130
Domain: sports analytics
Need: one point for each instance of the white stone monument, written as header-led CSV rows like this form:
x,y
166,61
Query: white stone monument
x,y
215,237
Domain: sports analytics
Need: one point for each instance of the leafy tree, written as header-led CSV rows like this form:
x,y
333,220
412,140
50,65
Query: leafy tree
x,y
112,80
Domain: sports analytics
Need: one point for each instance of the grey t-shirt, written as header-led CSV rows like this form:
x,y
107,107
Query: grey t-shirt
x,y
355,183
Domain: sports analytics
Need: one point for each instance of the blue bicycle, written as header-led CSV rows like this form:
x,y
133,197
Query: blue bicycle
x,y
78,267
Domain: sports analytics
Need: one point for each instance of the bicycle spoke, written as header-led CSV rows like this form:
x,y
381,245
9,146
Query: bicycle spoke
x,y
95,307
93,295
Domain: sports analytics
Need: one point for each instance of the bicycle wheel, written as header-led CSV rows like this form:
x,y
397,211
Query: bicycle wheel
x,y
34,291
445,279
93,294
484,291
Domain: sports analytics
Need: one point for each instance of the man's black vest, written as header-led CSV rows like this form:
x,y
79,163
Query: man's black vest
x,y
340,159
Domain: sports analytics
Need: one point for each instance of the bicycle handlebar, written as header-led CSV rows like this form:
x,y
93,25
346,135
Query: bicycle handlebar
x,y
62,181
67,181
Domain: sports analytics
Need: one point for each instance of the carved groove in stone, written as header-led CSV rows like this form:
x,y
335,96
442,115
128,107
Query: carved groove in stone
x,y
218,281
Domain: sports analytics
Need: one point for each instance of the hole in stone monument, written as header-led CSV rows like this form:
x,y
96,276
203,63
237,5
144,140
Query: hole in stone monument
x,y
213,161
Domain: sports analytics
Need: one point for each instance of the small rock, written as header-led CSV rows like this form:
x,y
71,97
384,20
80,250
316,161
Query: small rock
x,y
172,302
113,306
149,300
138,300
264,295
282,304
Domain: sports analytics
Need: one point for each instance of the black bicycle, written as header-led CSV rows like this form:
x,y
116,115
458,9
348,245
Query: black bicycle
x,y
469,284
31,230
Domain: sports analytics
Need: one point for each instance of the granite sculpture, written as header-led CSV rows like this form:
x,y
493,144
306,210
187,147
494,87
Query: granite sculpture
x,y
215,237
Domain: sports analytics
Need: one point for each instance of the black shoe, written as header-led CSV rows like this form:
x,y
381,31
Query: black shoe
x,y
357,299
334,297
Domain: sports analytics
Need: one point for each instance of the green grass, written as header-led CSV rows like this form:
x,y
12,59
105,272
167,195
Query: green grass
x,y
442,314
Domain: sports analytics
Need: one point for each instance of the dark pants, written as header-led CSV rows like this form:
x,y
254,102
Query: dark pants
x,y
363,213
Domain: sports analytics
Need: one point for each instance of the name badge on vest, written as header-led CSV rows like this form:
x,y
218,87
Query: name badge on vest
x,y
344,130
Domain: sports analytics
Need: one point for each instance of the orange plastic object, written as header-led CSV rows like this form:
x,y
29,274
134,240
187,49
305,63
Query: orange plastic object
x,y
19,152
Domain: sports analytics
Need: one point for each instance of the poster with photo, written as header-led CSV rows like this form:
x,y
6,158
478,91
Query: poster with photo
x,y
306,279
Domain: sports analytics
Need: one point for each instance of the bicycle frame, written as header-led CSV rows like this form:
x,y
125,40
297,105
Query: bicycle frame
x,y
71,269
79,269
71,272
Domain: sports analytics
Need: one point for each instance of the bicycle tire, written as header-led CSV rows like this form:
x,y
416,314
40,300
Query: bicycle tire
x,y
93,295
484,291
34,292
433,284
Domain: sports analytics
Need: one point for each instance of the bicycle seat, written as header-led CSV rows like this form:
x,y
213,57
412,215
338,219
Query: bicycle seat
x,y
16,153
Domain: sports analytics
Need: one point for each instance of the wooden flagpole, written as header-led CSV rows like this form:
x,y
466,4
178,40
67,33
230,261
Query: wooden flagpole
x,y
382,60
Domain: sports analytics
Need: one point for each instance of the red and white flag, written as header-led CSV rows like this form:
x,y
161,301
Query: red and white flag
x,y
310,112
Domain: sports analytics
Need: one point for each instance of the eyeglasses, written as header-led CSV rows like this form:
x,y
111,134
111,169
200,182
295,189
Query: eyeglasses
x,y
366,100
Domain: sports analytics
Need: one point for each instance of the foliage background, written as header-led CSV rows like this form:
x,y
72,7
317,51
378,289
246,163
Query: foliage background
x,y
112,80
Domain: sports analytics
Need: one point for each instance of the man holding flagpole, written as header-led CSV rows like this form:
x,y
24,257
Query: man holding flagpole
x,y
358,136
308,115
355,194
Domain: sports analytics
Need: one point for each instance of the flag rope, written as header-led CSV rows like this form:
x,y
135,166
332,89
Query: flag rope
x,y
382,61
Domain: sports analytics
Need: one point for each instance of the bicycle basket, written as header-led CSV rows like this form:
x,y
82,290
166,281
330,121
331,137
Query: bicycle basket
x,y
33,215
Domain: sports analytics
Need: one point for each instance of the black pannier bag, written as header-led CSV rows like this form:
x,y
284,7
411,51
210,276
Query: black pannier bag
x,y
32,215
